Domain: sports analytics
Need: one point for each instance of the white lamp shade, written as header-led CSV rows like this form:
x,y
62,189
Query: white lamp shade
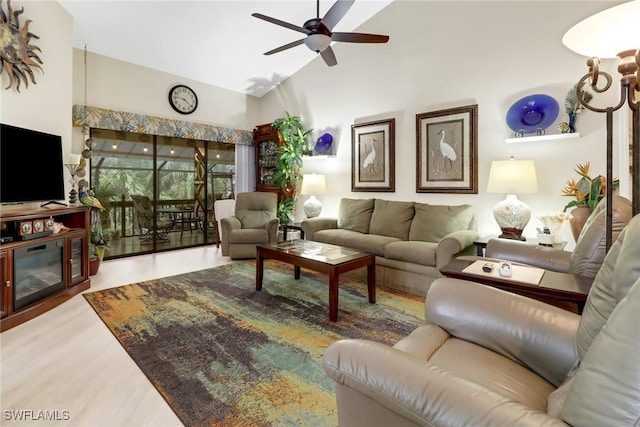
x,y
313,184
513,177
606,33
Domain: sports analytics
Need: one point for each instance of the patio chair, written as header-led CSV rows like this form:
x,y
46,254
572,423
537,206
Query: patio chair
x,y
144,214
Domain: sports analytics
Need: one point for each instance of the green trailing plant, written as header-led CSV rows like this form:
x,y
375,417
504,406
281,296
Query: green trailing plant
x,y
286,174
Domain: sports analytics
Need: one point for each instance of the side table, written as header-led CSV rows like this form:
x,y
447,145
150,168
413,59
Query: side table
x,y
554,287
481,243
295,226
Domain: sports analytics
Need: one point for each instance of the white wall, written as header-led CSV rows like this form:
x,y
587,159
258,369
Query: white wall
x,y
46,105
123,86
448,54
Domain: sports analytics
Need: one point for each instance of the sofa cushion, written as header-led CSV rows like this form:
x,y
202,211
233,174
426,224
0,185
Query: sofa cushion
x,y
373,243
423,253
391,218
334,236
249,235
355,214
606,388
620,269
354,240
433,222
590,249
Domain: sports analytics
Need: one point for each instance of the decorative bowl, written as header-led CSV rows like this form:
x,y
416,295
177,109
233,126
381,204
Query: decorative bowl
x,y
532,114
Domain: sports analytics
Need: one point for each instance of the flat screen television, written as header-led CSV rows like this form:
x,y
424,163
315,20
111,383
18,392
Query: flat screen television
x,y
31,167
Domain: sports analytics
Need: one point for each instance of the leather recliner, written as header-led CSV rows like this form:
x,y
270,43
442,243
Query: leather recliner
x,y
254,222
487,357
587,256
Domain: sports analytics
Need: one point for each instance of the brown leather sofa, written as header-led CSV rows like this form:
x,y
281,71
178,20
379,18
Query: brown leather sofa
x,y
486,357
587,256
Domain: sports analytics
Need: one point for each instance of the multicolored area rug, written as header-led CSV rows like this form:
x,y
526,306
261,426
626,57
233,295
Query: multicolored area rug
x,y
222,354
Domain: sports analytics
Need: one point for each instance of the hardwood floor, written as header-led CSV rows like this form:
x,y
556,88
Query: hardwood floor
x,y
67,363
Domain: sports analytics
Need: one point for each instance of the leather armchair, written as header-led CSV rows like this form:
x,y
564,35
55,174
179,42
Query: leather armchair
x,y
486,357
254,222
587,256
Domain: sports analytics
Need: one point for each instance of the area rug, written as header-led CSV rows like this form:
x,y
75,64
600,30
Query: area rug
x,y
222,354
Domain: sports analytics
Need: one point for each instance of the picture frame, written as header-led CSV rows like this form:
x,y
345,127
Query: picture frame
x,y
373,156
447,151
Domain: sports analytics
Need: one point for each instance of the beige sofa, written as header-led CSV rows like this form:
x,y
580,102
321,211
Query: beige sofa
x,y
411,240
487,357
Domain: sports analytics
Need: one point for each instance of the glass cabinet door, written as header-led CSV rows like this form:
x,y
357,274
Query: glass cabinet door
x,y
77,264
266,140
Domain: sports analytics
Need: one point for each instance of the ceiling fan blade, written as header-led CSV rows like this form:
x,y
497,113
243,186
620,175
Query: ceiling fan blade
x,y
281,23
285,47
329,57
359,38
336,13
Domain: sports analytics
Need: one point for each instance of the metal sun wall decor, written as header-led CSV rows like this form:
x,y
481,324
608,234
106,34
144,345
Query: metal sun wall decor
x,y
17,55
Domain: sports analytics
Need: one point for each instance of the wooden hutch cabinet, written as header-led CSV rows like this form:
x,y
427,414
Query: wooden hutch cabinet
x,y
266,141
40,269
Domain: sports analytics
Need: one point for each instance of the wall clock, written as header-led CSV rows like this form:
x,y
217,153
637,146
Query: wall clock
x,y
183,99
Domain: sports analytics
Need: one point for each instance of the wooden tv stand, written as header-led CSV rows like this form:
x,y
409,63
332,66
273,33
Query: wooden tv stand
x,y
75,258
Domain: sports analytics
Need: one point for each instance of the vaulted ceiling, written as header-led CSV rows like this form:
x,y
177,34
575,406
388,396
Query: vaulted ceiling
x,y
212,41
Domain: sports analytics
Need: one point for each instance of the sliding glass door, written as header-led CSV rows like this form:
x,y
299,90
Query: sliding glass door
x,y
159,191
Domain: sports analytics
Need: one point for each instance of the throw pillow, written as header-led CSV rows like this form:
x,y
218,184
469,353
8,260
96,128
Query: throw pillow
x,y
433,222
355,214
391,218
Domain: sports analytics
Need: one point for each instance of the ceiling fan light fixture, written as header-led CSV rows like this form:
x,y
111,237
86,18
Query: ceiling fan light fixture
x,y
317,42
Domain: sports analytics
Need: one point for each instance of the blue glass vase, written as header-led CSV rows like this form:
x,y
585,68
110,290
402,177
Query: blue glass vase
x,y
572,122
323,144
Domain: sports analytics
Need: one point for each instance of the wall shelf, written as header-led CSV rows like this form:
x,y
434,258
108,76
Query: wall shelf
x,y
319,156
536,138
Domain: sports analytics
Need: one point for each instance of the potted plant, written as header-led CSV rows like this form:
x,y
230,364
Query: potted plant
x,y
107,194
587,193
288,163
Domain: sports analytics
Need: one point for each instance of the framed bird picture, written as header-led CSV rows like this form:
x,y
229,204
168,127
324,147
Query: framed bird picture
x,y
373,156
447,151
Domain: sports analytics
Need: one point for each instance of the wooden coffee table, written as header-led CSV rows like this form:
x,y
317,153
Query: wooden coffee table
x,y
554,288
324,258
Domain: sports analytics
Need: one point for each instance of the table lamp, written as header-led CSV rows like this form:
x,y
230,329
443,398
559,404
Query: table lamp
x,y
510,177
312,185
73,165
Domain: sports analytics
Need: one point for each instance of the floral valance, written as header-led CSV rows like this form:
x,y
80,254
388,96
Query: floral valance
x,y
103,118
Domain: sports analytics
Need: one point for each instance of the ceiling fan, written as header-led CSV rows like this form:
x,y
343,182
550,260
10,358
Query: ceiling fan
x,y
318,31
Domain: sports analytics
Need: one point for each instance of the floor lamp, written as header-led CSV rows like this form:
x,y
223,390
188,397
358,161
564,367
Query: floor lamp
x,y
612,33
